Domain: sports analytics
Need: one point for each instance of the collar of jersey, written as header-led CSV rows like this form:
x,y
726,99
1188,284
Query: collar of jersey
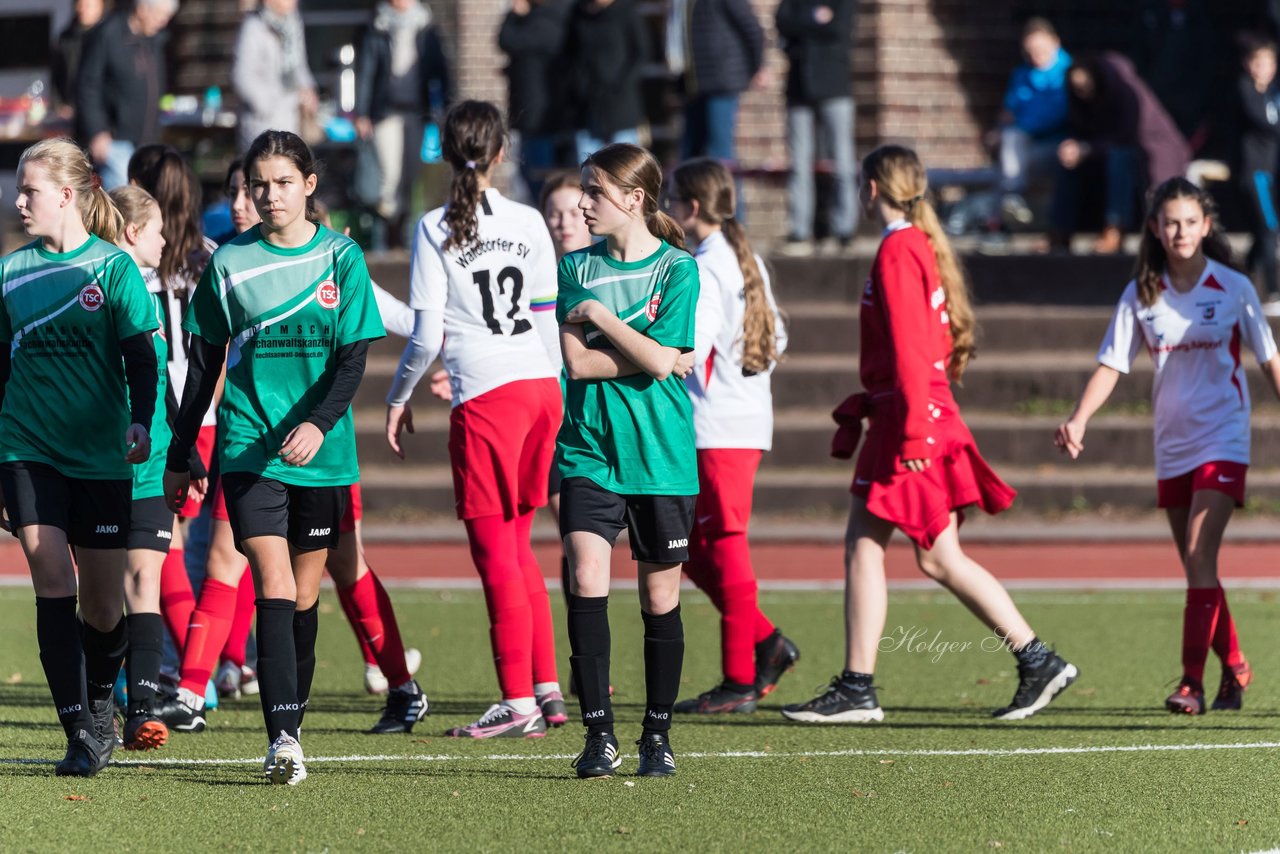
x,y
296,250
1204,277
714,239
64,256
628,265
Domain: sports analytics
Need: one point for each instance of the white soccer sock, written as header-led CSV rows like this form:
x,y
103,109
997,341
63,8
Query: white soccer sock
x,y
542,689
522,705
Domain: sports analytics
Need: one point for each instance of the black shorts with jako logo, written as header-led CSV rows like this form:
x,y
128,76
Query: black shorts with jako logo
x,y
306,516
93,513
657,525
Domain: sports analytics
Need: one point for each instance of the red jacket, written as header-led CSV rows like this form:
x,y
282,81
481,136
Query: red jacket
x,y
906,336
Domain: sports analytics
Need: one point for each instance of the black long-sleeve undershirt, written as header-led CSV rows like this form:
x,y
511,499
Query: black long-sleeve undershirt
x,y
347,373
198,469
141,375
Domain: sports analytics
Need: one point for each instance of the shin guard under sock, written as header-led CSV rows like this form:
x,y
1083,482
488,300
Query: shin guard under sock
x,y
142,664
103,655
278,667
1199,619
61,655
306,625
663,660
589,641
177,601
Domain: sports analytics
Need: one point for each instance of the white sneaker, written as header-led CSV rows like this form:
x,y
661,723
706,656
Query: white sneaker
x,y
284,762
227,680
248,681
1271,307
375,682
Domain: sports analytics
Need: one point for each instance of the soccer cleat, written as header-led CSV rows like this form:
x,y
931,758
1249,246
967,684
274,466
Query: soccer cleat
x,y
376,683
656,758
84,756
840,703
1231,691
1188,699
775,655
184,713
145,732
502,721
1037,687
553,709
105,730
405,706
227,680
722,699
248,681
599,756
284,762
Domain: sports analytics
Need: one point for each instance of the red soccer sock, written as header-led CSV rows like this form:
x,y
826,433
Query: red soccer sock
x,y
373,619
1199,620
732,559
206,634
700,569
241,620
176,599
544,635
494,549
1225,642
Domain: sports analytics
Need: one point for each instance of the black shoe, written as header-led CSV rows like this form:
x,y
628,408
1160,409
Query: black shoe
x,y
84,756
405,706
775,655
599,757
724,698
184,713
841,703
1037,687
144,731
656,758
1231,691
105,729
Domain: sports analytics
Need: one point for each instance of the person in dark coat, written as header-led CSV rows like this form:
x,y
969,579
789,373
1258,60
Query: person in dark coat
x,y
1257,158
722,57
66,58
533,36
607,46
1116,120
818,38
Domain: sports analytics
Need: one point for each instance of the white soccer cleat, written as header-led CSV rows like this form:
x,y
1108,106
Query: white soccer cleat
x,y
284,762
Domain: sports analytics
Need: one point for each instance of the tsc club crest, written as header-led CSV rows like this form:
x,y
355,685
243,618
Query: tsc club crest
x,y
92,297
327,295
651,310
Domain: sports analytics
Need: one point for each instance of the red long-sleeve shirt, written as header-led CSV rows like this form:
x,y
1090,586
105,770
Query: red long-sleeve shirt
x,y
906,335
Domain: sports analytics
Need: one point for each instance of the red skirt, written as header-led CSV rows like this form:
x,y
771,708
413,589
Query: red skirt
x,y
921,503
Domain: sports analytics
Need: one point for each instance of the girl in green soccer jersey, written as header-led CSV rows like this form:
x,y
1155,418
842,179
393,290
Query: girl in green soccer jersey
x,y
289,306
76,324
626,448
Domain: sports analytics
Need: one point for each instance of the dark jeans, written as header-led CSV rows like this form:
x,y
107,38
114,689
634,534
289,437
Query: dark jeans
x,y
1118,167
1260,188
710,122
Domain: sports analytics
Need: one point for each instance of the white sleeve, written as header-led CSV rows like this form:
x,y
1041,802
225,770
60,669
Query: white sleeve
x,y
543,290
397,317
1254,326
709,315
1123,339
424,345
428,279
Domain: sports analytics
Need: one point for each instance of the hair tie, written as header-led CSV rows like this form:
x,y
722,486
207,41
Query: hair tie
x,y
471,164
95,180
911,202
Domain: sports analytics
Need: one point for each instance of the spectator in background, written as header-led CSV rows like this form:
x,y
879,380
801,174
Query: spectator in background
x,y
270,73
402,79
1257,159
66,58
818,36
1034,120
119,84
607,45
723,56
1170,42
533,37
1116,121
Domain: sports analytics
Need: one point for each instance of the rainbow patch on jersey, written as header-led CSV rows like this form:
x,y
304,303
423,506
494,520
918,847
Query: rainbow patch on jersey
x,y
543,303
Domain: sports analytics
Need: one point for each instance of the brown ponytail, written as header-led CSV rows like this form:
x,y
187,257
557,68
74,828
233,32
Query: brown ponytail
x,y
473,137
900,177
68,166
162,171
1152,260
710,184
629,167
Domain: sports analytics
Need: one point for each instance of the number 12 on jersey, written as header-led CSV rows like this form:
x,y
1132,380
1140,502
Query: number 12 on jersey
x,y
506,274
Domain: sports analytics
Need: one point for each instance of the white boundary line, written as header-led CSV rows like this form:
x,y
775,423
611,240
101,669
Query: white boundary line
x,y
727,754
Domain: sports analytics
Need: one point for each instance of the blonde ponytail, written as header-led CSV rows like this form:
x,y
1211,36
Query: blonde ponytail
x,y
102,217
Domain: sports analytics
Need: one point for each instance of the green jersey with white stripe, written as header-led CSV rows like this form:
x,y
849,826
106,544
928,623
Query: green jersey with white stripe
x,y
148,477
283,314
631,435
63,315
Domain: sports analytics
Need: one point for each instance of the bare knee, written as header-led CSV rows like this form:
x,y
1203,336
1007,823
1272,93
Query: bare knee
x,y
933,566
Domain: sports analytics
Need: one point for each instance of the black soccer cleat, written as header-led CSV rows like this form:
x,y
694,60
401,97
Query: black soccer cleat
x,y
405,706
840,703
105,728
85,756
722,699
1037,687
184,713
656,758
1231,691
775,655
144,731
599,756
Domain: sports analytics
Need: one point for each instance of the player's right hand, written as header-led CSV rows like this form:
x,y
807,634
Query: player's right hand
x,y
399,419
1069,438
176,484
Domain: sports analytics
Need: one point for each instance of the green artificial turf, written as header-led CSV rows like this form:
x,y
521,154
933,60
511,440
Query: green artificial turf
x,y
937,775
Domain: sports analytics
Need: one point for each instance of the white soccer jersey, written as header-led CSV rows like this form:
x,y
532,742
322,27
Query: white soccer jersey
x,y
1200,393
173,306
730,408
489,293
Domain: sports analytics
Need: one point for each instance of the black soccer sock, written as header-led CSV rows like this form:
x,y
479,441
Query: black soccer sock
x,y
306,625
589,640
663,660
278,667
58,634
103,655
1033,655
142,664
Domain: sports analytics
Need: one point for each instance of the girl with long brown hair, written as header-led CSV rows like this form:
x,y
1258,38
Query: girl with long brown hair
x,y
739,336
919,467
1191,309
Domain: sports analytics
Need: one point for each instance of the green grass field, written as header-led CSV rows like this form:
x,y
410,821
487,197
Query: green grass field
x,y
1103,769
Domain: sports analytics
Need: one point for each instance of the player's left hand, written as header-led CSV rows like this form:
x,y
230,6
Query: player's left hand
x,y
917,465
176,484
583,312
301,445
138,441
441,387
